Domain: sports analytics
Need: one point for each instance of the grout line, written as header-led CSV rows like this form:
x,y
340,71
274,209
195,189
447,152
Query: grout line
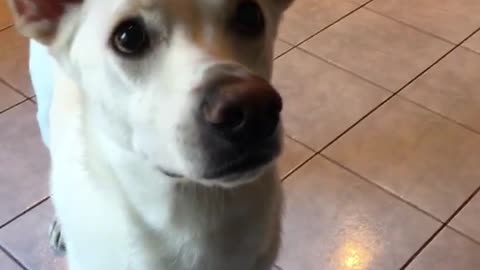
x,y
410,26
340,135
13,88
459,209
469,49
323,29
477,132
14,105
292,171
284,41
32,100
366,7
13,258
464,234
331,63
6,27
365,179
299,142
35,205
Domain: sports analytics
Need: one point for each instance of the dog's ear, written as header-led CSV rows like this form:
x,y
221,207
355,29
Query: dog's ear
x,y
40,19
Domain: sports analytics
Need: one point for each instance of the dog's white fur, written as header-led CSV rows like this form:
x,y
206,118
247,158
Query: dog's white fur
x,y
115,122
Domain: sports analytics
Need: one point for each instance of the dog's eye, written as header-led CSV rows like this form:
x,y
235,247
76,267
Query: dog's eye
x,y
130,38
248,19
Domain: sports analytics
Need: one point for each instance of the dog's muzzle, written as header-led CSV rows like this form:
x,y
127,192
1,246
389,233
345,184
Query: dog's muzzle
x,y
239,118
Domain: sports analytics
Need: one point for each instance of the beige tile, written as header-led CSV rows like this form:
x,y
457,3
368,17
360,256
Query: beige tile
x,y
449,251
14,63
414,153
468,220
6,263
294,154
335,220
8,97
360,2
451,88
307,17
321,101
5,18
473,43
27,239
377,48
24,161
280,47
453,20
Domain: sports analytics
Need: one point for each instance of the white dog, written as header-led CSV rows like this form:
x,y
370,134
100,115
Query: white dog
x,y
165,131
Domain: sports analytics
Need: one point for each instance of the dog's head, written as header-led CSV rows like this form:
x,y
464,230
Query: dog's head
x,y
183,84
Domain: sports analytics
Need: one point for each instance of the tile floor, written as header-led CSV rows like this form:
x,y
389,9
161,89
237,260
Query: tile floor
x,y
382,161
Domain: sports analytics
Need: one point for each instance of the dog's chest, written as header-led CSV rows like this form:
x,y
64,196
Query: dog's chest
x,y
194,247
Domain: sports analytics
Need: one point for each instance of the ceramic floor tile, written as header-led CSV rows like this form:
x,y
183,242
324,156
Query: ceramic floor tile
x,y
335,220
451,88
416,154
27,239
23,159
378,48
453,20
306,17
360,2
294,154
5,18
14,63
280,47
468,220
6,263
449,251
8,97
320,100
473,43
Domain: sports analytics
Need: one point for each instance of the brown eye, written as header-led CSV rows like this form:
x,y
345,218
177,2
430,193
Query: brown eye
x,y
248,19
130,38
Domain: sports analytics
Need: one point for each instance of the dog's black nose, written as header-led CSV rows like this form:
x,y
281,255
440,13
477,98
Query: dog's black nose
x,y
241,109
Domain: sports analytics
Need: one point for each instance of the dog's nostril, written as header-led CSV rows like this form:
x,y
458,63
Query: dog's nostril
x,y
224,115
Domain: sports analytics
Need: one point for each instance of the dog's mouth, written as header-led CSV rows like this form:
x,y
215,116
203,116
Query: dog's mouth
x,y
230,169
241,166
169,173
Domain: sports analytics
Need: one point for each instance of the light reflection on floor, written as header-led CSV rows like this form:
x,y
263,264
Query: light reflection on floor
x,y
359,247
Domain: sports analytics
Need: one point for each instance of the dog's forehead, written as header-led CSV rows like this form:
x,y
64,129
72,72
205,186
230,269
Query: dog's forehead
x,y
175,6
171,5
109,12
185,3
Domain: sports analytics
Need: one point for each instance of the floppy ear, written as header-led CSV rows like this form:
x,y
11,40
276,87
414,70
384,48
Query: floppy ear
x,y
40,19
